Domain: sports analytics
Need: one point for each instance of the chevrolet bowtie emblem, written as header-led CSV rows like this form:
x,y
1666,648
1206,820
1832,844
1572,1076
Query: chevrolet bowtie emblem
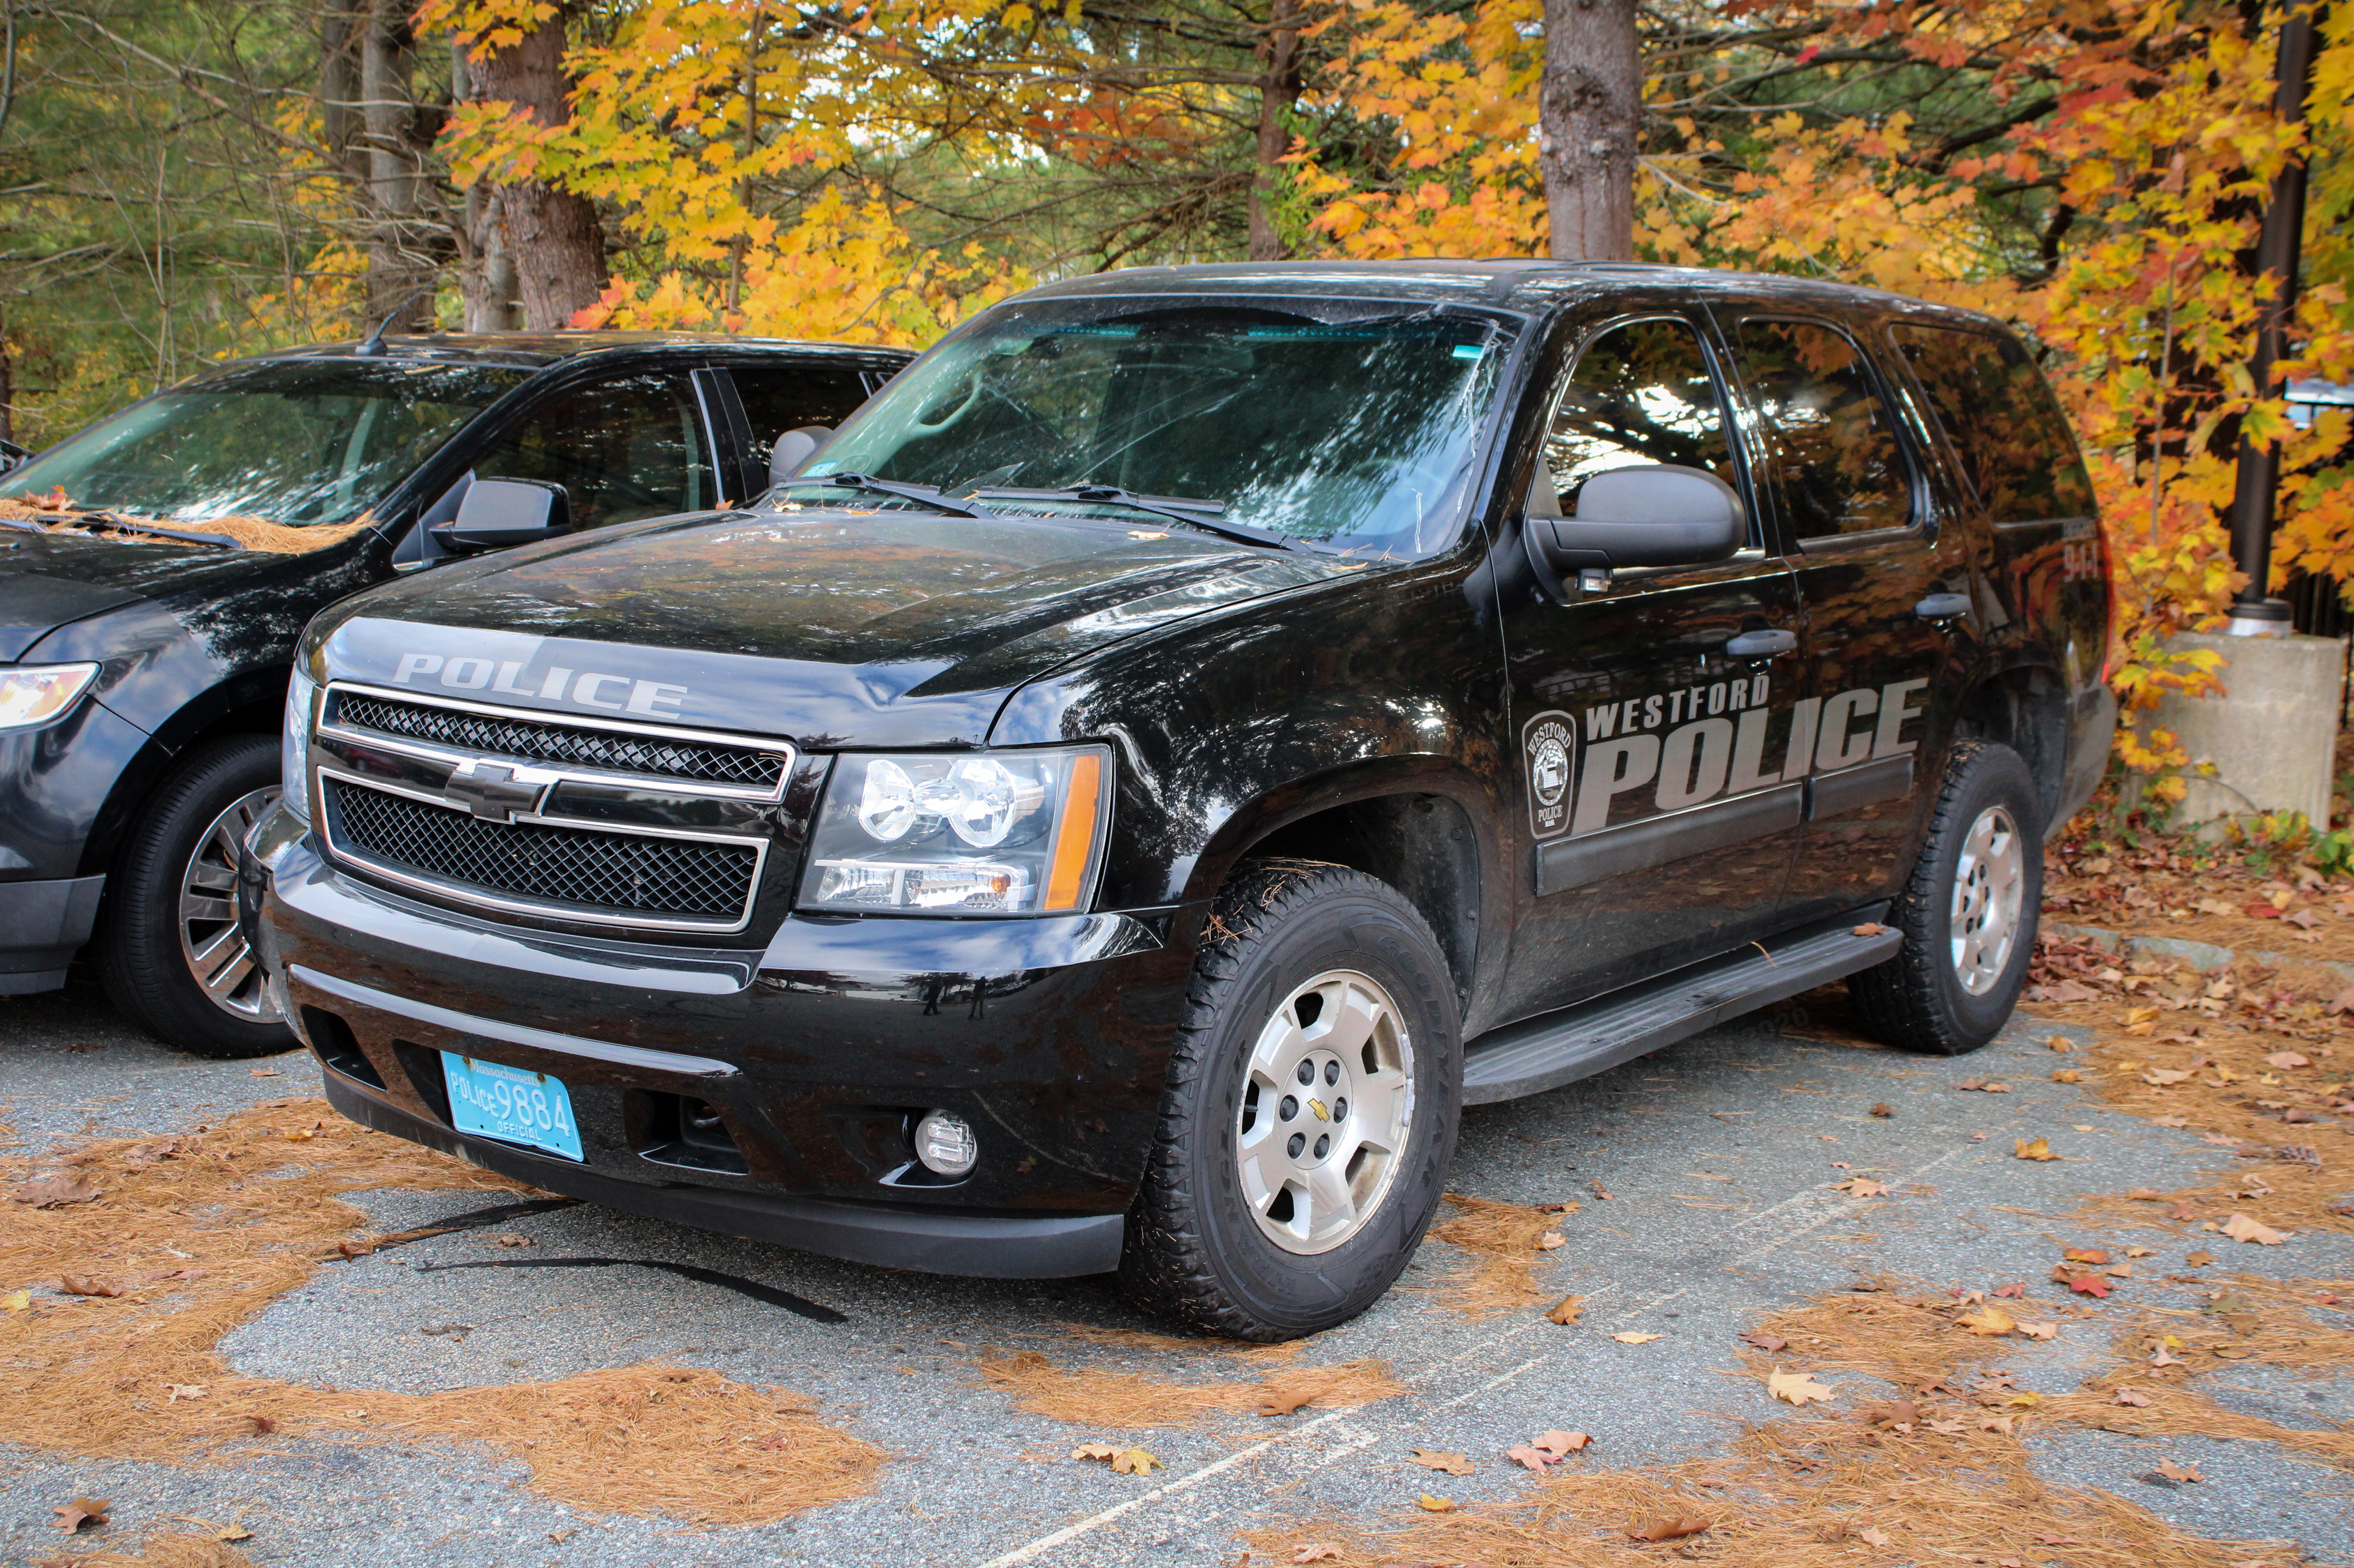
x,y
491,791
1322,1114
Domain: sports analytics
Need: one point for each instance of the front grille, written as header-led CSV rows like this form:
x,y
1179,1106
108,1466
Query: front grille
x,y
612,873
531,740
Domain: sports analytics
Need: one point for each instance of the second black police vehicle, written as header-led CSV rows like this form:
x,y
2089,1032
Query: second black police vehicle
x,y
1190,737
156,569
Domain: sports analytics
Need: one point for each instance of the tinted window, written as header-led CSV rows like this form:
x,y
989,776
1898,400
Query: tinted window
x,y
1641,394
622,449
785,397
2006,426
1831,454
1313,420
298,442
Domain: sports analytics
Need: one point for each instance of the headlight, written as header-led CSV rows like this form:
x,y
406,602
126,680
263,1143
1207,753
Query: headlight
x,y
35,694
294,746
1009,832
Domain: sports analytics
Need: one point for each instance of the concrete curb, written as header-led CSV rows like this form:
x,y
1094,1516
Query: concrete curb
x,y
2198,955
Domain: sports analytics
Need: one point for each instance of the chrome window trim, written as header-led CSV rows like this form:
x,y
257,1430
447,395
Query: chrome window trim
x,y
461,893
429,751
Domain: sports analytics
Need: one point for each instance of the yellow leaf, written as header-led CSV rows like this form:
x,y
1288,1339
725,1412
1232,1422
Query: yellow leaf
x,y
1429,1504
1637,1339
1991,1321
2036,1149
1796,1388
16,1301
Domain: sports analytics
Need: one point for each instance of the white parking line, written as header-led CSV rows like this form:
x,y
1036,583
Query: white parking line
x,y
1832,1207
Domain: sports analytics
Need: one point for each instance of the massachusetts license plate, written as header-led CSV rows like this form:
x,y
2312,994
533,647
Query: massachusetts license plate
x,y
510,1105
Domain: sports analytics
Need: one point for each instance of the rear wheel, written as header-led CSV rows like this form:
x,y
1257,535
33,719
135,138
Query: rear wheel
x,y
1968,913
1311,1112
169,950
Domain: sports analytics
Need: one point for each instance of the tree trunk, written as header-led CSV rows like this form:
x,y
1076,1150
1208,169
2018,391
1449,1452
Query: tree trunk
x,y
1588,111
554,235
486,276
402,263
1279,91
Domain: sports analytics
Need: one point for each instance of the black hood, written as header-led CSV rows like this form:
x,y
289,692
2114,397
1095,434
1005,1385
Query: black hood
x,y
832,628
52,581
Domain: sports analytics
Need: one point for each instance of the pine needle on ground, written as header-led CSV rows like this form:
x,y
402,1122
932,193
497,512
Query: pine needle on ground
x,y
1106,1401
158,1552
1500,1239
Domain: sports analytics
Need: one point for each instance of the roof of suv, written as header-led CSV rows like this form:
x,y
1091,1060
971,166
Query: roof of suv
x,y
1508,284
538,350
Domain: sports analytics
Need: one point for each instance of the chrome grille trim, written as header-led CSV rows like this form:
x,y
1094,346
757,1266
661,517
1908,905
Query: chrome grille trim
x,y
783,753
508,902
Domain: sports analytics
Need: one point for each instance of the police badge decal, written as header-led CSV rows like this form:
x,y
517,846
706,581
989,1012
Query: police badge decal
x,y
1549,743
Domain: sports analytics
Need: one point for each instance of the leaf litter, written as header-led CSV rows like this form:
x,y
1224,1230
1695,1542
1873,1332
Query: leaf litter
x,y
184,1246
1101,1399
1503,1243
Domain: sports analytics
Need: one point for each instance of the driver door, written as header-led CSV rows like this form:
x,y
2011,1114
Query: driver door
x,y
1650,714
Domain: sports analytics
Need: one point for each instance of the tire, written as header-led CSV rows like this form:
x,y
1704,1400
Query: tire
x,y
163,923
1963,962
1279,1264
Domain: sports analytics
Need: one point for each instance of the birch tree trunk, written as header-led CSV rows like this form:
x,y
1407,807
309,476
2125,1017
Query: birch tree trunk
x,y
1588,111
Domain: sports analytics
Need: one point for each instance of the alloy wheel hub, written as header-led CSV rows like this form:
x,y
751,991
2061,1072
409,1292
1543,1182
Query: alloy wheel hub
x,y
216,951
1327,1107
1989,882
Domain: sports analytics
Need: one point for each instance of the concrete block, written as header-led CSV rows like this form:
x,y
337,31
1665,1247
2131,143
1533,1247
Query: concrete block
x,y
2271,736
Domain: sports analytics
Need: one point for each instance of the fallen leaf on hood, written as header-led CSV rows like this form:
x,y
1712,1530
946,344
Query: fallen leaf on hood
x,y
1126,1461
1637,1339
1858,1187
1316,1551
2086,1255
2035,1149
2133,1397
72,1515
2174,1472
1795,1387
77,1285
1453,1463
57,1191
2241,1228
1566,1310
1672,1528
16,1301
1872,1535
1429,1504
2285,1060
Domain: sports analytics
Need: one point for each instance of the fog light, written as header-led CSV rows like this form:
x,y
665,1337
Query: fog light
x,y
945,1144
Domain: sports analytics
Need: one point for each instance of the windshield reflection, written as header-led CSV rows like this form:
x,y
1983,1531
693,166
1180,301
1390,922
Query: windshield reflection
x,y
1352,433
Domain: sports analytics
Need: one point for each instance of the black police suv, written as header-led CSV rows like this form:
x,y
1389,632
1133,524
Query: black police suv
x,y
1193,734
155,571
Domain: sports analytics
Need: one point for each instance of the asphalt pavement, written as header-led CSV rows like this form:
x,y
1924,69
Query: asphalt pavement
x,y
1719,1158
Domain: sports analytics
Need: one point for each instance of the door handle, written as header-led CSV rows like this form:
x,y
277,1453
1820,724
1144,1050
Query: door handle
x,y
1766,644
1942,605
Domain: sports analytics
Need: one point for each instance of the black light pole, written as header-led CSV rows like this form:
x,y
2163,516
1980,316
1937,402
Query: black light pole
x,y
2255,613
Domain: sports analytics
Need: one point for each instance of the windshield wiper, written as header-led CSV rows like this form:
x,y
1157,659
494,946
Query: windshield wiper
x,y
104,519
1174,508
922,495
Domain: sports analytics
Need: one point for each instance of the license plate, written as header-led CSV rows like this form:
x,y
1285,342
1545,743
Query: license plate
x,y
510,1105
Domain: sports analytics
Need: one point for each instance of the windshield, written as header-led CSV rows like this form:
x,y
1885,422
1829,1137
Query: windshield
x,y
298,442
1355,433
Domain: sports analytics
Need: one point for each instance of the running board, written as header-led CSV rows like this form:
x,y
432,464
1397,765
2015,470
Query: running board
x,y
1556,1048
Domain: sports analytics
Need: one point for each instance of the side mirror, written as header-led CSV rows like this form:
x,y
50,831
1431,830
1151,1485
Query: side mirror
x,y
795,447
13,456
1654,515
498,512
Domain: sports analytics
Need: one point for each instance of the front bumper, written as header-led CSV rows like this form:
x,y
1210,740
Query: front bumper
x,y
1050,1037
41,924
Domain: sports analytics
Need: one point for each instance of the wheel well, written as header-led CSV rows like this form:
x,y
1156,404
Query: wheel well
x,y
1421,844
2025,710
128,800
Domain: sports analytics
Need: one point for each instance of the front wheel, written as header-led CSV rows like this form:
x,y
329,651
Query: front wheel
x,y
1311,1113
1968,914
169,950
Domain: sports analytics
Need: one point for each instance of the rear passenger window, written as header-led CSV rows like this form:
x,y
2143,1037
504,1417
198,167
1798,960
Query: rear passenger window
x,y
1832,452
622,449
1641,394
786,399
2005,425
